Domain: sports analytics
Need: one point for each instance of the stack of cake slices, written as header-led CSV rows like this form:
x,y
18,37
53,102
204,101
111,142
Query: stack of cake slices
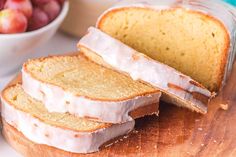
x,y
73,104
80,103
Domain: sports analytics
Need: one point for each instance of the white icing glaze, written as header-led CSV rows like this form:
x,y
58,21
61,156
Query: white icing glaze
x,y
56,99
121,57
68,140
216,8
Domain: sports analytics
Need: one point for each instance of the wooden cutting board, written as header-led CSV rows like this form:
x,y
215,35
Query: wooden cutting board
x,y
176,133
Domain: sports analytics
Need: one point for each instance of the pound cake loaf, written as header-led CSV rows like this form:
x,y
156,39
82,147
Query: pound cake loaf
x,y
177,88
195,37
81,87
58,130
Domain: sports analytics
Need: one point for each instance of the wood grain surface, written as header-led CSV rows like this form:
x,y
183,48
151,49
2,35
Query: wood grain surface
x,y
176,133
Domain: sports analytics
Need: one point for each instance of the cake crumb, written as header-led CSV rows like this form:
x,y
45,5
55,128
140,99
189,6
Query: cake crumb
x,y
46,135
109,145
135,57
135,131
200,129
224,106
126,136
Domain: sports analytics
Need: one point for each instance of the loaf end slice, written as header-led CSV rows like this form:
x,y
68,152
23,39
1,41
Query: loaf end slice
x,y
193,42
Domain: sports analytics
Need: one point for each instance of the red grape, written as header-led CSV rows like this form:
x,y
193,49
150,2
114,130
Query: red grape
x,y
2,2
61,2
52,9
38,19
24,6
39,3
12,21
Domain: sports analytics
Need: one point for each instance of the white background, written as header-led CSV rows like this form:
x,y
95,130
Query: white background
x,y
59,44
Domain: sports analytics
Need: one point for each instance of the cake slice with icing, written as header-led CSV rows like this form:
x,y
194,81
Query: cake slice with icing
x,y
177,88
58,131
83,88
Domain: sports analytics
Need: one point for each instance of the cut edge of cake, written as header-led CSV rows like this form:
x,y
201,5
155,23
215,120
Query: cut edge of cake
x,y
227,25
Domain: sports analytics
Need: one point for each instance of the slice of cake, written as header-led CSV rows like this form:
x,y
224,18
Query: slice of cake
x,y
58,130
81,87
194,37
177,88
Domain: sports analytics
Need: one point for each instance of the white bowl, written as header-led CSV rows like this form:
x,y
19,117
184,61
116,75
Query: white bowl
x,y
76,23
15,48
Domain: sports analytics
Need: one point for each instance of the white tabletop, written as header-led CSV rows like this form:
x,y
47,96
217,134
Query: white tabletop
x,y
59,44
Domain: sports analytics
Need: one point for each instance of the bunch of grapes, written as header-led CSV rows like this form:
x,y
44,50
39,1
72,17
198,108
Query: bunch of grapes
x,y
17,16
